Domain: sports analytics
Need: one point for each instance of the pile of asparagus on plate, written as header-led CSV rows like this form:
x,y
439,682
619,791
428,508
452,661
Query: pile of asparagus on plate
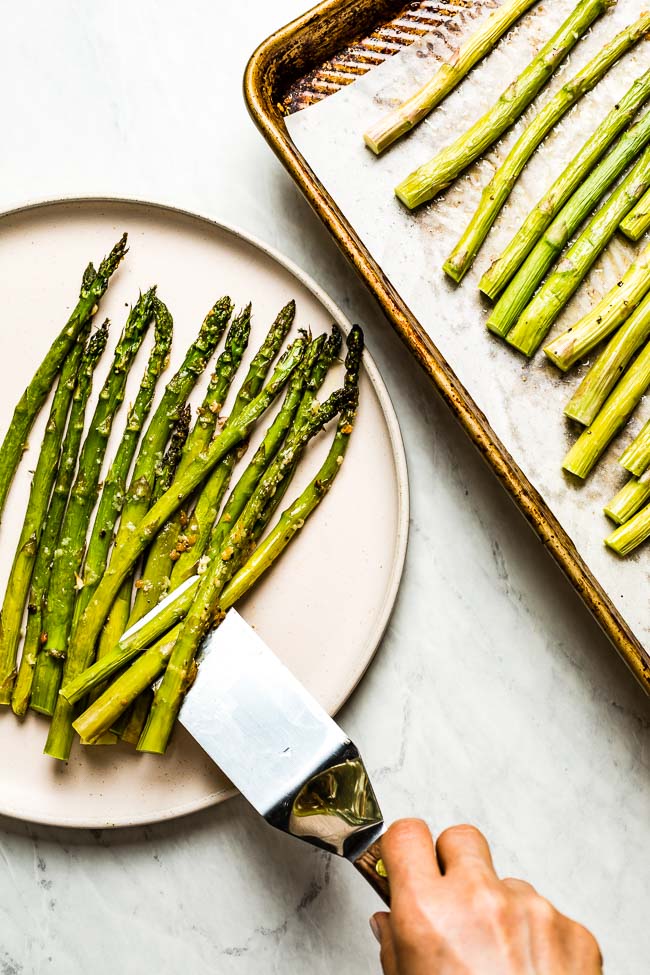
x,y
169,532
605,188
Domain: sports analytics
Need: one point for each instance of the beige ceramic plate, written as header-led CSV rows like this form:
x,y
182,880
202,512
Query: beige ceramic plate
x,y
325,605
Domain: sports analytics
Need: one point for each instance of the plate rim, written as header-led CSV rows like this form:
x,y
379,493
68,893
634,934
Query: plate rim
x,y
398,453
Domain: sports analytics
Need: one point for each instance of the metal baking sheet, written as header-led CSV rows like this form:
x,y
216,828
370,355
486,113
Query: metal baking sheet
x,y
522,402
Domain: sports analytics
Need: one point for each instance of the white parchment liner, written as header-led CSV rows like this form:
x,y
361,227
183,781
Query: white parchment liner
x,y
522,401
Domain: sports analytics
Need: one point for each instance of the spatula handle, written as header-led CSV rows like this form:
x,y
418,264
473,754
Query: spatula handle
x,y
371,866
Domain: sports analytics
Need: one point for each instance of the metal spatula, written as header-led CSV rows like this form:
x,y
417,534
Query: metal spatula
x,y
282,751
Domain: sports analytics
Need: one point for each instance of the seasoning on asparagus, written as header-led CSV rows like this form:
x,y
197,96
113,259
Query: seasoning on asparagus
x,y
555,293
179,671
152,448
154,581
632,496
124,558
58,502
615,413
433,177
637,223
506,266
93,287
68,557
209,501
633,533
617,305
636,458
484,39
150,665
521,289
608,367
18,586
170,540
114,488
502,183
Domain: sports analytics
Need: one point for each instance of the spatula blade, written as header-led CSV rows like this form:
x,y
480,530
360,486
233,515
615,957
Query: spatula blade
x,y
277,744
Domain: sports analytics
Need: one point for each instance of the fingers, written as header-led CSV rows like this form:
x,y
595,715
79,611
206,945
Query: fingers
x,y
464,848
380,925
410,858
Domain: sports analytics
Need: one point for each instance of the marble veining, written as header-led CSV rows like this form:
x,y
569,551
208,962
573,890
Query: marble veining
x,y
494,697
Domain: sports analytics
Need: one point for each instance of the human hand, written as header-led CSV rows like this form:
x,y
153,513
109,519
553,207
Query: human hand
x,y
451,915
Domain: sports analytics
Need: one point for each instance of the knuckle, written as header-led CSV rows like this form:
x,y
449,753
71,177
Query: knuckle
x,y
543,911
586,942
492,902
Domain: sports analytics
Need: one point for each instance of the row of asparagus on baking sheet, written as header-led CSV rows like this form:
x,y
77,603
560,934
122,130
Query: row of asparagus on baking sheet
x,y
168,524
605,188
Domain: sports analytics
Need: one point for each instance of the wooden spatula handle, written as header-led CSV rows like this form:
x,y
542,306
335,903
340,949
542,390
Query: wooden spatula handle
x,y
371,866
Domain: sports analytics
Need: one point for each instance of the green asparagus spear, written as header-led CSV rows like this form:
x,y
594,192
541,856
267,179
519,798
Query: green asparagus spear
x,y
606,370
294,517
602,320
144,634
407,115
536,321
178,675
42,482
152,448
113,491
636,458
506,266
167,546
629,499
68,557
633,533
266,452
429,180
294,409
208,504
151,664
637,223
178,602
102,714
154,582
165,416
93,287
501,185
96,719
90,624
521,289
615,413
58,502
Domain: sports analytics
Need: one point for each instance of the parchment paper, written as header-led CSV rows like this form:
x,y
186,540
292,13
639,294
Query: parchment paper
x,y
523,401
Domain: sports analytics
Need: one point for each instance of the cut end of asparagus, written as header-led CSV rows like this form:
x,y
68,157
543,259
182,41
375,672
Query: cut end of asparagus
x,y
386,131
416,190
633,533
456,266
561,351
523,340
498,325
630,499
578,461
489,285
581,411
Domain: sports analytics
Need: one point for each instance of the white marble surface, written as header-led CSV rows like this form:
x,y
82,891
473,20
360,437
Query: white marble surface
x,y
494,698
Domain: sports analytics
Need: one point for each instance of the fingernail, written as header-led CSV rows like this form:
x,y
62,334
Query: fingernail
x,y
374,927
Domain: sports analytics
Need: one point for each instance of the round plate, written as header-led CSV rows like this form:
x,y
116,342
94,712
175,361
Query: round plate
x,y
324,606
